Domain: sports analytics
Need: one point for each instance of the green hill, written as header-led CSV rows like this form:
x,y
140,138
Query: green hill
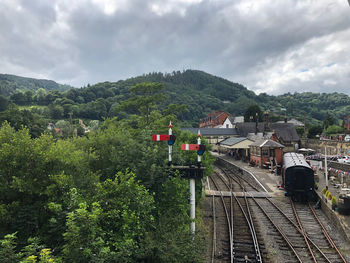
x,y
203,93
199,91
10,84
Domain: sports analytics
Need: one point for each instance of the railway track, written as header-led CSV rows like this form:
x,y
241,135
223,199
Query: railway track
x,y
299,233
243,239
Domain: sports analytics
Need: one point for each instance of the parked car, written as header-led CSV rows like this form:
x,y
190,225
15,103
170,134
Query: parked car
x,y
344,159
347,138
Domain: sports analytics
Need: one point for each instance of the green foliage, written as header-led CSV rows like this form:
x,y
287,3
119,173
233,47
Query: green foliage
x,y
195,93
300,131
23,118
11,84
8,249
329,121
84,237
101,198
314,130
334,201
4,103
334,129
253,111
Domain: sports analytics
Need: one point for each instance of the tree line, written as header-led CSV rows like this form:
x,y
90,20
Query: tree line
x,y
104,197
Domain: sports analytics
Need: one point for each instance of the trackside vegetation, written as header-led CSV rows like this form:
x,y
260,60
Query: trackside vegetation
x,y
103,197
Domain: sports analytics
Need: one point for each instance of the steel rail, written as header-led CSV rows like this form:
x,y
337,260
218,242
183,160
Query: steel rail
x,y
326,234
298,229
248,219
227,218
280,231
303,232
213,252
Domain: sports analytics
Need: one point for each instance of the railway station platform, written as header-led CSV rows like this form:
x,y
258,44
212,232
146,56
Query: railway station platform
x,y
269,180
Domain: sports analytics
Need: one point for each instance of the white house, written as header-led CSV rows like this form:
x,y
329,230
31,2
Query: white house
x,y
230,122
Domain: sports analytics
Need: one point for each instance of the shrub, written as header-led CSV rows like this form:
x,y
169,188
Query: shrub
x,y
327,193
334,201
323,191
330,196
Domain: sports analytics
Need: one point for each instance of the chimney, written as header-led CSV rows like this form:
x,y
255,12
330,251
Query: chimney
x,y
274,136
266,122
256,123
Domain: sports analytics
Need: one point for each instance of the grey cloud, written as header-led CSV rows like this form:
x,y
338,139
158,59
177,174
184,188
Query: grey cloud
x,y
245,41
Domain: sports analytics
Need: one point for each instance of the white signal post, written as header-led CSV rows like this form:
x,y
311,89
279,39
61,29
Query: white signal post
x,y
199,158
170,146
193,191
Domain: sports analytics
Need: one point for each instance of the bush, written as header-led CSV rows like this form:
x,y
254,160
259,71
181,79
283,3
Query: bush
x,y
323,191
330,196
327,193
334,201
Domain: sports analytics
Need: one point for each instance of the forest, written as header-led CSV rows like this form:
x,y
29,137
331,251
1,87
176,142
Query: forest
x,y
195,93
104,197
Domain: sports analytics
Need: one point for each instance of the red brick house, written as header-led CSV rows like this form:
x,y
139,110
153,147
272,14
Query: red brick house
x,y
213,119
265,151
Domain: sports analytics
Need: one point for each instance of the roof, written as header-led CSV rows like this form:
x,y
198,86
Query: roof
x,y
267,143
293,121
232,140
236,119
213,131
236,143
284,131
294,159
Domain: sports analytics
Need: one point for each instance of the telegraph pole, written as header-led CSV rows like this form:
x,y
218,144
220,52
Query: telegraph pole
x,y
325,166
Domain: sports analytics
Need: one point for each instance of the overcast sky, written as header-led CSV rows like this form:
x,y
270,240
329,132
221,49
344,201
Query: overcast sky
x,y
267,45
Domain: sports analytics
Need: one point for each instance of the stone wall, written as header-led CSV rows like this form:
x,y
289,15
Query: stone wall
x,y
334,217
333,147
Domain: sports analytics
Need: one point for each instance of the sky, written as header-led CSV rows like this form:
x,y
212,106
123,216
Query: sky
x,y
268,46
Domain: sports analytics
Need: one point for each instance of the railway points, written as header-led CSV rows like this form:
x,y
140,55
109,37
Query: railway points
x,y
280,235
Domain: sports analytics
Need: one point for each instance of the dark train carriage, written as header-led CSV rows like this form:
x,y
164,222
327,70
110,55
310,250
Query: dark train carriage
x,y
298,177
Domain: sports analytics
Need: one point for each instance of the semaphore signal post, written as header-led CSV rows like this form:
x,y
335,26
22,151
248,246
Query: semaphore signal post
x,y
191,172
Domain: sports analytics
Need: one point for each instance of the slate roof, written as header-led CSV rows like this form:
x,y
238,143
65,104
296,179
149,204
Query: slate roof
x,y
293,121
284,131
213,131
267,143
232,141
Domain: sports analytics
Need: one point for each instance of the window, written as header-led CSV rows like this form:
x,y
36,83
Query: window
x,y
265,152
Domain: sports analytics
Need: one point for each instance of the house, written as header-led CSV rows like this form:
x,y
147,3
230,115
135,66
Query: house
x,y
283,133
266,153
213,135
230,122
213,119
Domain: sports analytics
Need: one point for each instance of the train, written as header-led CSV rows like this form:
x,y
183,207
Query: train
x,y
298,178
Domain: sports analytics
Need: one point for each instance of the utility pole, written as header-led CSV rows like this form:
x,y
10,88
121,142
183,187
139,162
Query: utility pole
x,y
325,166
